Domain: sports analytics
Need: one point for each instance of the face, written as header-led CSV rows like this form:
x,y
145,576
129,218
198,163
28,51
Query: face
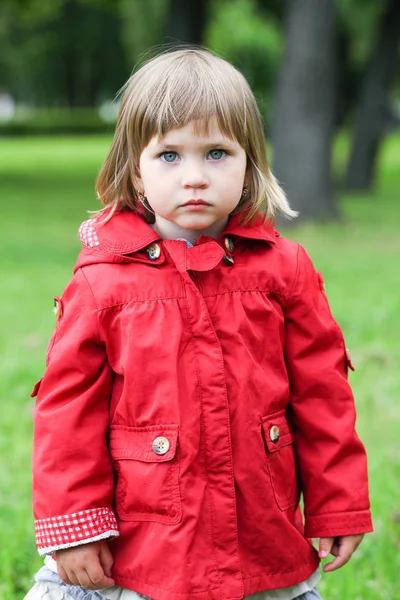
x,y
192,182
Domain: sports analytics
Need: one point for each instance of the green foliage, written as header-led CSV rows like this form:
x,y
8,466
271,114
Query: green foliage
x,y
63,53
360,18
34,12
79,52
358,27
143,26
252,41
46,188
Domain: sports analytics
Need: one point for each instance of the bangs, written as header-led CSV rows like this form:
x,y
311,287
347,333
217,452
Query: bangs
x,y
191,88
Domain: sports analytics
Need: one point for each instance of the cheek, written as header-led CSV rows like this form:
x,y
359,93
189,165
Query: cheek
x,y
237,179
148,180
144,165
240,170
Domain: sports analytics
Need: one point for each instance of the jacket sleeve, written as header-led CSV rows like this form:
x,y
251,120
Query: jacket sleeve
x,y
72,473
331,460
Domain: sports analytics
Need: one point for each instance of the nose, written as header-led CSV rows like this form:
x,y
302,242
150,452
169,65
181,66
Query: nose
x,y
194,176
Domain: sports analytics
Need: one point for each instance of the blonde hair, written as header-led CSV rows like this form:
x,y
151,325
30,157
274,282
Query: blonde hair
x,y
169,91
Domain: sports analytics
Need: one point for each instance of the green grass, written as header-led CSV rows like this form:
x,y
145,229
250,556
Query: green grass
x,y
47,185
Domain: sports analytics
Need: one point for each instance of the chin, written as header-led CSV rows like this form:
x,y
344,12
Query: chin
x,y
197,226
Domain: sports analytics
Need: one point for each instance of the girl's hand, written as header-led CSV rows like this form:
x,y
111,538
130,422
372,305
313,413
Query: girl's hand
x,y
341,547
88,565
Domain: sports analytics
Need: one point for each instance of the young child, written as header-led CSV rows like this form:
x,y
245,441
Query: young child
x,y
196,381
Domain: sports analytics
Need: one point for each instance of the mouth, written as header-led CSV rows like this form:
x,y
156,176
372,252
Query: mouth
x,y
196,202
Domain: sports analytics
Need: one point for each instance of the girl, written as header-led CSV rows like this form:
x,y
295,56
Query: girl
x,y
196,382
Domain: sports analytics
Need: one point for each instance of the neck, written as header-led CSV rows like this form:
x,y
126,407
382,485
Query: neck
x,y
171,231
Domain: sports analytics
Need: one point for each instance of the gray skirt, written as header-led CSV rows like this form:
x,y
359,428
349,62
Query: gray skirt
x,y
49,586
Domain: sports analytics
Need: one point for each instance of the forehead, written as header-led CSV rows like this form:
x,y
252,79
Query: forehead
x,y
197,132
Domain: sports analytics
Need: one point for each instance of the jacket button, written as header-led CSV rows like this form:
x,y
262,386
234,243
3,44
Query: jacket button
x,y
153,251
57,308
274,433
228,260
229,245
160,445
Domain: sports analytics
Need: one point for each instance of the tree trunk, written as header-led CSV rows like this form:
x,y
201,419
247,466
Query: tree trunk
x,y
69,57
374,101
186,21
304,114
347,77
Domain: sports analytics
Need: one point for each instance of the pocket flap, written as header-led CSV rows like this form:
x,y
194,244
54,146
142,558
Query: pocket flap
x,y
277,431
153,443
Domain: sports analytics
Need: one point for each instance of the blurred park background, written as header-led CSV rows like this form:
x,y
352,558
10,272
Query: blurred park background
x,y
326,76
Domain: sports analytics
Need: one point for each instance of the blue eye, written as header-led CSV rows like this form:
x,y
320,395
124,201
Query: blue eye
x,y
169,157
217,154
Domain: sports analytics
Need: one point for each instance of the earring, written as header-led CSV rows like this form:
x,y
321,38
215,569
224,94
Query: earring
x,y
245,191
144,202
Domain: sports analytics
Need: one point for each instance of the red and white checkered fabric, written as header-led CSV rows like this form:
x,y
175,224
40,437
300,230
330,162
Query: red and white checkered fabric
x,y
65,531
87,234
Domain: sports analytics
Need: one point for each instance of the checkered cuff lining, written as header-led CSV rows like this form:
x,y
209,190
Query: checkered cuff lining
x,y
65,531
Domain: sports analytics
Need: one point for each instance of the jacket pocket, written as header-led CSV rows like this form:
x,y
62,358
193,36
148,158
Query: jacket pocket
x,y
280,459
146,467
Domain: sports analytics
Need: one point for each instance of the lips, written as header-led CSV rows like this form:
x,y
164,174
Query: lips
x,y
196,202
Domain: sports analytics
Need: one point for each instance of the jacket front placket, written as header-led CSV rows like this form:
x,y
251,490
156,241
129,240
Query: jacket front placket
x,y
216,440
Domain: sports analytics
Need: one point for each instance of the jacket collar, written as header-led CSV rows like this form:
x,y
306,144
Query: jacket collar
x,y
127,232
260,229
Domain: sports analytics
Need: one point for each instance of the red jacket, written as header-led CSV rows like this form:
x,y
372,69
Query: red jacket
x,y
190,396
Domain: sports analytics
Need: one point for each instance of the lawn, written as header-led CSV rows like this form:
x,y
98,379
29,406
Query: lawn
x,y
46,187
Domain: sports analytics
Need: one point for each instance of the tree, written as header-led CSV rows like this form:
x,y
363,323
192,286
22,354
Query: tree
x,y
304,113
374,104
186,21
254,48
143,26
356,25
62,52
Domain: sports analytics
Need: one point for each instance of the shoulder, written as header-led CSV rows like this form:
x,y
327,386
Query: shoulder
x,y
294,268
287,250
301,275
286,256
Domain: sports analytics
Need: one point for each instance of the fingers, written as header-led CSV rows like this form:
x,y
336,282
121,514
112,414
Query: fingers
x,y
83,565
342,548
63,575
325,546
106,560
342,556
97,578
92,578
